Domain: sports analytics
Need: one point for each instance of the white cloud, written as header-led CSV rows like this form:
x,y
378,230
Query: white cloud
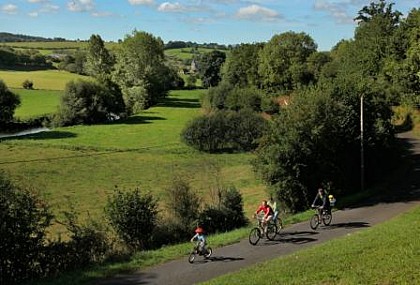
x,y
9,9
101,14
80,5
49,8
257,12
336,10
172,7
33,14
38,1
141,2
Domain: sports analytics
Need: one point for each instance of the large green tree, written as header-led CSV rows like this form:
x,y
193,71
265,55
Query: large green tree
x,y
282,61
8,103
210,65
241,66
99,62
140,70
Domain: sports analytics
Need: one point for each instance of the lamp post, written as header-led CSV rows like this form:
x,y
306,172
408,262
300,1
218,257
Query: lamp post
x,y
362,152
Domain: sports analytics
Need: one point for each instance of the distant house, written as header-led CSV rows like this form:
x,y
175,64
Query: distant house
x,y
194,66
57,56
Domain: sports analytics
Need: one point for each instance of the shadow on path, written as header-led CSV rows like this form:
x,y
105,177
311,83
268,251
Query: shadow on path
x,y
219,259
300,237
351,225
132,279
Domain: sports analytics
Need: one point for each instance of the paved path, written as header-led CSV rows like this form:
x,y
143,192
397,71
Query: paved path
x,y
292,239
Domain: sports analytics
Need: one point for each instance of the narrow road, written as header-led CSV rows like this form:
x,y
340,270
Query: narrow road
x,y
291,239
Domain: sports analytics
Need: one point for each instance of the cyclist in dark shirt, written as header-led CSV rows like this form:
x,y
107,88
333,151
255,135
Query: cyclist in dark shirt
x,y
321,201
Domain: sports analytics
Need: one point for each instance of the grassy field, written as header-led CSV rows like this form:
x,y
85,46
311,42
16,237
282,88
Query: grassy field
x,y
385,254
36,102
42,79
186,53
47,45
83,164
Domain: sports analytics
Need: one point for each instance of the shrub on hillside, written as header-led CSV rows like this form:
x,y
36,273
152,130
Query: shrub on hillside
x,y
28,84
8,103
86,102
24,219
244,98
216,96
133,215
182,207
227,214
225,130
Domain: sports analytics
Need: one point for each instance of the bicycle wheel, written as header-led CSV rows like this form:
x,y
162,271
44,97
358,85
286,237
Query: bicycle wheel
x,y
271,231
314,222
191,258
254,236
209,253
326,218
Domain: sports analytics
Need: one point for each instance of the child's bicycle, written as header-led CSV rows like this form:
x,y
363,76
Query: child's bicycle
x,y
320,216
258,232
198,250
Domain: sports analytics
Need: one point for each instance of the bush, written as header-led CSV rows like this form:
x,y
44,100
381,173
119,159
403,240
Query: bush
x,y
133,215
86,102
216,96
24,219
28,84
227,215
225,130
244,98
183,208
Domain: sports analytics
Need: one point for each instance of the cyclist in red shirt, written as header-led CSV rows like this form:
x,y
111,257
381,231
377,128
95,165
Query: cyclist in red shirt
x,y
268,212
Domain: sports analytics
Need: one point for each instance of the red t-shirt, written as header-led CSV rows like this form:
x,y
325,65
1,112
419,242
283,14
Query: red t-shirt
x,y
266,209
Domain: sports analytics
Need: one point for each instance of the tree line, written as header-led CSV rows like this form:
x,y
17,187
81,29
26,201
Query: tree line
x,y
313,139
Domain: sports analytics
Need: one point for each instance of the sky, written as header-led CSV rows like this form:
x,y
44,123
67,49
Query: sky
x,y
201,21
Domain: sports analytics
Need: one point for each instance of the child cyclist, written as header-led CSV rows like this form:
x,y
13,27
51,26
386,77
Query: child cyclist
x,y
201,239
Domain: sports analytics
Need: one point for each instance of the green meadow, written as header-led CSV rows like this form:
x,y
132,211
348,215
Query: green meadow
x,y
81,165
37,102
42,79
186,53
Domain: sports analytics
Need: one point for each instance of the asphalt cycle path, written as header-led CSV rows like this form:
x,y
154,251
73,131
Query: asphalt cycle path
x,y
291,239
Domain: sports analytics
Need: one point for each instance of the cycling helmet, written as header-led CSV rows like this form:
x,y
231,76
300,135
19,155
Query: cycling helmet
x,y
199,230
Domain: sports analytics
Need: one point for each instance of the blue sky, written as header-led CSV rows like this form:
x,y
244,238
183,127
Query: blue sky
x,y
220,21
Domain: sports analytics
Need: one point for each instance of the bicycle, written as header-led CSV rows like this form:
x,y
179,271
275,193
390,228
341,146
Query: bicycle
x,y
320,216
278,222
257,232
198,250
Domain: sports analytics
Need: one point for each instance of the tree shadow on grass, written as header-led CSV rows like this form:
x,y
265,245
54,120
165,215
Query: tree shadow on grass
x,y
46,135
180,103
137,120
